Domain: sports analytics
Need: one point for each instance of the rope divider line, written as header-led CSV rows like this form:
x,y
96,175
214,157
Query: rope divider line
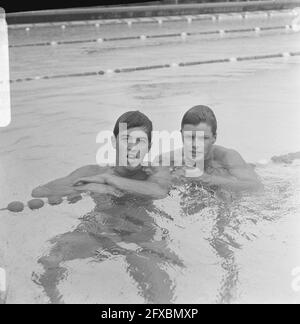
x,y
144,37
160,20
159,66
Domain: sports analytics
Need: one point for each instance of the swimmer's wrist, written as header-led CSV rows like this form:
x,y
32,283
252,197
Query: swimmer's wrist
x,y
110,179
213,179
218,180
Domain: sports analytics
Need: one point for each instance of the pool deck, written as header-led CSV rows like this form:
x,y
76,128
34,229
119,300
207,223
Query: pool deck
x,y
99,13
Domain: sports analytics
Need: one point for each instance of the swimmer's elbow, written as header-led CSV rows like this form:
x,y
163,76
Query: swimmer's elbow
x,y
252,185
256,185
40,192
260,186
160,194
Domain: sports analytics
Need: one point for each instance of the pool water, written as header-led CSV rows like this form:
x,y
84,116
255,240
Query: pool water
x,y
191,247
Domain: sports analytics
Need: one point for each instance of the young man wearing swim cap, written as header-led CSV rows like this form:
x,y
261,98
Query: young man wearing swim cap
x,y
216,165
128,174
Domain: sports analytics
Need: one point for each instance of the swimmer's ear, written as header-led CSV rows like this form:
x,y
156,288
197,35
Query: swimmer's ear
x,y
113,141
215,138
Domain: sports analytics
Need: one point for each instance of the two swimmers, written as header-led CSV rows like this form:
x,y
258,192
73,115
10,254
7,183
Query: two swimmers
x,y
222,167
125,214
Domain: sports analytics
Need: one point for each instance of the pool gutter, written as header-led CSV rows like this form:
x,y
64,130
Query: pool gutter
x,y
99,13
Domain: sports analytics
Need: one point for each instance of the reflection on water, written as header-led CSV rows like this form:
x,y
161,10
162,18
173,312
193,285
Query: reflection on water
x,y
117,226
196,200
151,237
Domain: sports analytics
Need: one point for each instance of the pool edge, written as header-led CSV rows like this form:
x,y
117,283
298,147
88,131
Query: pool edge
x,y
96,13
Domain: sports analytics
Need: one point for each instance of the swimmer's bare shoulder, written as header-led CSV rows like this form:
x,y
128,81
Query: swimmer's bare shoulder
x,y
64,186
228,158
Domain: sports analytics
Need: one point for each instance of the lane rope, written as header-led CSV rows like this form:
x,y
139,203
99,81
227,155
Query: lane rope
x,y
37,203
158,66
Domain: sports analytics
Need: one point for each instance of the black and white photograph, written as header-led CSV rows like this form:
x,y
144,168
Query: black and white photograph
x,y
150,154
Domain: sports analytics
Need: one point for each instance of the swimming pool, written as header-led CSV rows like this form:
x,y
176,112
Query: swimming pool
x,y
210,252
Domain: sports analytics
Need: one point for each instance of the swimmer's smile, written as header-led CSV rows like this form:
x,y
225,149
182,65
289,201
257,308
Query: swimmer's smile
x,y
133,157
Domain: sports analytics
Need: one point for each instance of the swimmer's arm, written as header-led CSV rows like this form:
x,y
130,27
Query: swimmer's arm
x,y
156,186
64,186
99,188
246,177
242,176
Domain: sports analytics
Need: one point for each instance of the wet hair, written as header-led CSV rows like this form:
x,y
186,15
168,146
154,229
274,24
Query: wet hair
x,y
134,119
200,114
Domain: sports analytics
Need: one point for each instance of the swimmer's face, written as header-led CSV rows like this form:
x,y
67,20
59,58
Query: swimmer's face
x,y
132,146
197,140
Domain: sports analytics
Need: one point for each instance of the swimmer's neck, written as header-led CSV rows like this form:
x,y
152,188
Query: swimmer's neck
x,y
208,158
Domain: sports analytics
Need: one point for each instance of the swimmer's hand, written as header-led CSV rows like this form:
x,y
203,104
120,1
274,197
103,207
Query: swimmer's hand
x,y
179,173
100,179
99,189
230,182
211,180
178,176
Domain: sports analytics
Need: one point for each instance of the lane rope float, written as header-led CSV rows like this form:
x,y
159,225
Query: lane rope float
x,y
37,203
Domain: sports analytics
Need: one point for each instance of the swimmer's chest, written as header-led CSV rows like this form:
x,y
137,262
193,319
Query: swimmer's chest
x,y
212,168
127,206
126,214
